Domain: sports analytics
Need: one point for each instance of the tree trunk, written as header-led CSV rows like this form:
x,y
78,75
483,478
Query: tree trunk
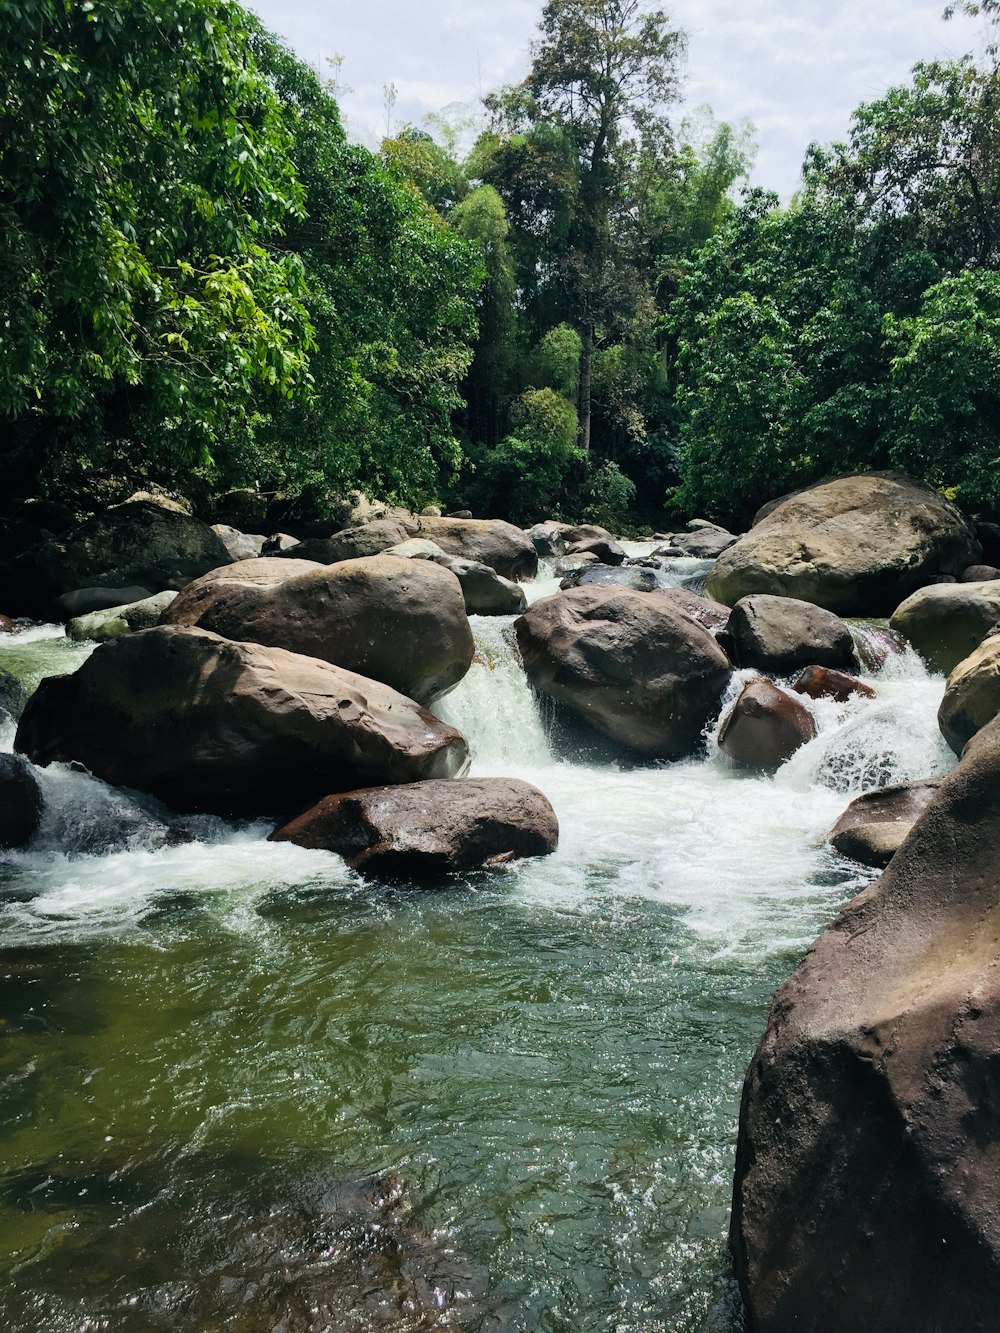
x,y
586,362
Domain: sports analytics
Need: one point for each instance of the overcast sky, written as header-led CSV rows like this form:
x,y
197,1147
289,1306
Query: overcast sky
x,y
795,68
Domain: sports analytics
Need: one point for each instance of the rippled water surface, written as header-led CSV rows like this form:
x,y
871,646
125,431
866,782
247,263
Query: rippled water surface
x,y
242,1091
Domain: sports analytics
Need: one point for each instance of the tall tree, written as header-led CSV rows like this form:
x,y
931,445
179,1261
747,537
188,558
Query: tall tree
x,y
603,75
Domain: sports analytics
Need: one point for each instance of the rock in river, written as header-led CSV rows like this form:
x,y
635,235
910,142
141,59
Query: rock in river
x,y
507,549
632,664
874,827
765,726
20,802
402,622
429,828
782,635
972,695
945,623
207,724
867,1190
857,545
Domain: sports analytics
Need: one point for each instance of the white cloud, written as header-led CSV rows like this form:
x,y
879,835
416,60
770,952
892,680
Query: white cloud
x,y
797,70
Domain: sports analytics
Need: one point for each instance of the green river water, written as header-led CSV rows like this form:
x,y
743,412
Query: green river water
x,y
244,1091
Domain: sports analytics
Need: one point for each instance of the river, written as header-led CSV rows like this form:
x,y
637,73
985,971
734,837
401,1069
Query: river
x,y
221,1056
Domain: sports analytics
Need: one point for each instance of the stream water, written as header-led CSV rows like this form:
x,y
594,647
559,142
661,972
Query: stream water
x,y
220,1057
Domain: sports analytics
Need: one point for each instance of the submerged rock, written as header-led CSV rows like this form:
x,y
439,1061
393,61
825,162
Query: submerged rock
x,y
20,802
782,635
946,622
972,695
139,546
235,729
874,827
867,1191
765,726
402,622
855,545
429,828
633,665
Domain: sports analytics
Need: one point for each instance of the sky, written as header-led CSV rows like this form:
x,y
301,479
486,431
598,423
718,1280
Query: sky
x,y
795,68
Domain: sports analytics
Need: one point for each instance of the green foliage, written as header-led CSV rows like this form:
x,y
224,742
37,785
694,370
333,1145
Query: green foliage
x,y
555,363
608,497
146,169
946,388
525,475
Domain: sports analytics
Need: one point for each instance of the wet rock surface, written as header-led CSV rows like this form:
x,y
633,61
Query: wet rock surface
x,y
207,724
633,665
818,682
765,726
873,828
429,828
868,1164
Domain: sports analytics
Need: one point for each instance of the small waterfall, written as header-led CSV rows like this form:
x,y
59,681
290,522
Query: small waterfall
x,y
494,706
876,644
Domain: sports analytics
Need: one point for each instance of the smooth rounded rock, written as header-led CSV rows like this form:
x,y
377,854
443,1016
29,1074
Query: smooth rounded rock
x,y
429,828
857,545
402,622
704,543
867,1191
972,695
350,544
874,827
103,625
507,549
782,635
765,726
607,550
631,664
946,622
236,729
240,545
980,574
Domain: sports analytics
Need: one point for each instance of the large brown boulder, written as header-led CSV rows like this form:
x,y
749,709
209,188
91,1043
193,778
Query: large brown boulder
x,y
507,549
402,622
782,635
874,827
352,543
765,726
867,1190
429,828
138,545
857,546
946,622
972,695
232,728
631,664
818,682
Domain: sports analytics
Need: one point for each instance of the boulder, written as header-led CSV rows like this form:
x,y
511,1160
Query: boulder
x,y
350,544
103,625
20,802
235,729
612,576
429,828
874,827
547,539
702,610
945,623
13,696
485,592
855,545
704,544
7,625
669,552
156,495
782,635
278,543
989,539
632,664
401,622
606,549
765,726
240,545
87,601
569,564
818,682
867,1191
980,574
507,549
972,695
585,532
140,545
431,511
703,525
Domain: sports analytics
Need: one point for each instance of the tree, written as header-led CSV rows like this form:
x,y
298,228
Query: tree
x,y
145,169
603,73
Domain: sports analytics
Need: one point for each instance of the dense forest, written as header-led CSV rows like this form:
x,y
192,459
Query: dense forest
x,y
206,286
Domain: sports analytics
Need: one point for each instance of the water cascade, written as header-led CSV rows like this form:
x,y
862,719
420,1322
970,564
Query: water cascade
x,y
209,1037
